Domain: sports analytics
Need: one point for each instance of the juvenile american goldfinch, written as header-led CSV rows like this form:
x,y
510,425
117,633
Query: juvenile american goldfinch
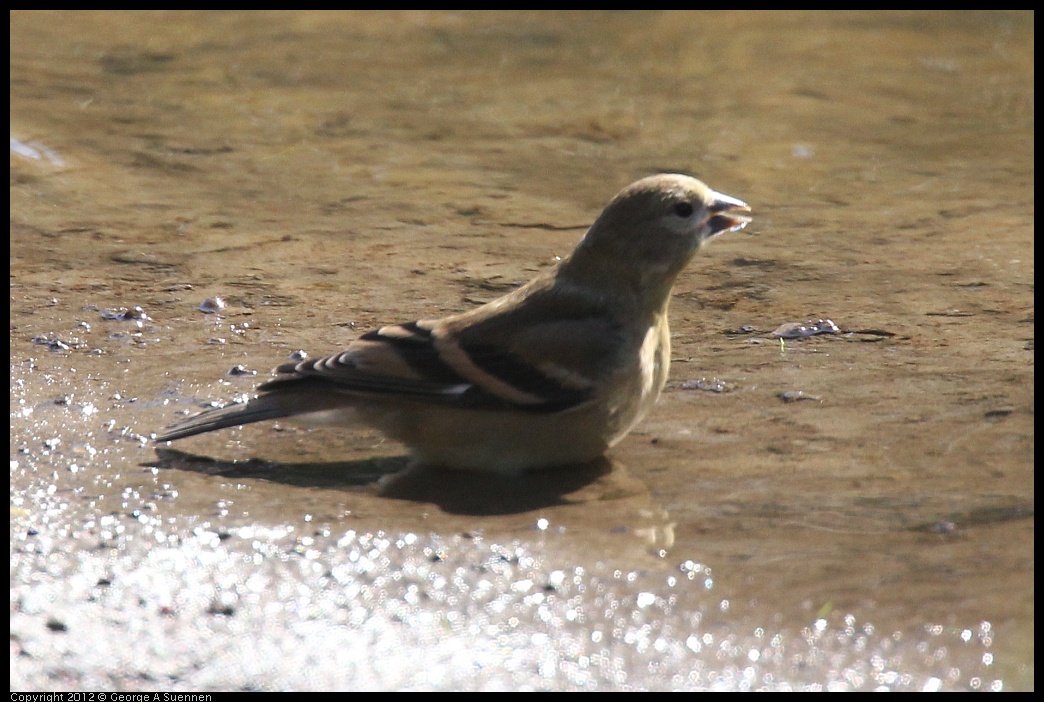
x,y
554,372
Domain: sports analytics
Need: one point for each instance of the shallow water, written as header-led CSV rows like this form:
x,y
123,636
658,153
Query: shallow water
x,y
324,173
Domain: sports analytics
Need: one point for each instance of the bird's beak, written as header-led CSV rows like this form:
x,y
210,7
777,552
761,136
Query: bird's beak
x,y
727,214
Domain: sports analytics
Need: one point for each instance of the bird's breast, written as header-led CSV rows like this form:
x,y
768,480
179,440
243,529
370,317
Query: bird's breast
x,y
654,358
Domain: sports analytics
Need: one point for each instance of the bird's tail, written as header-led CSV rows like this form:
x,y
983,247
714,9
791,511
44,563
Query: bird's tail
x,y
257,410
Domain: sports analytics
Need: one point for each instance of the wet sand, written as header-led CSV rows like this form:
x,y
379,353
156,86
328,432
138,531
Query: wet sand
x,y
325,173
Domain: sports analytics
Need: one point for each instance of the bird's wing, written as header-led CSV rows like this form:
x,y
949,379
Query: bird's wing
x,y
528,356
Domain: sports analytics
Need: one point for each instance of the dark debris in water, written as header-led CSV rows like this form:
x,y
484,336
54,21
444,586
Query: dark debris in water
x,y
798,396
56,625
124,314
58,344
706,384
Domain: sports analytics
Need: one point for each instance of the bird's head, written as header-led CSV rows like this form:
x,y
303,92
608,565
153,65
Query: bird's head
x,y
648,233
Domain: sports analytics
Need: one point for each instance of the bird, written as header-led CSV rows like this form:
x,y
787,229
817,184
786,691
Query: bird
x,y
553,373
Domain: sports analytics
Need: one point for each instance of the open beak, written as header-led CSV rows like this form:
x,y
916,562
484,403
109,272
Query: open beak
x,y
727,214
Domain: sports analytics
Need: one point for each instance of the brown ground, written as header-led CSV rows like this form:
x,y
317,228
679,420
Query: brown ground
x,y
328,172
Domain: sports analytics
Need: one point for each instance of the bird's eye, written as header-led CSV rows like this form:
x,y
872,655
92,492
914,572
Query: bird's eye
x,y
683,209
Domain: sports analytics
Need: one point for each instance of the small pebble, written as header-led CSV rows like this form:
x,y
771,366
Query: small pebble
x,y
794,330
212,305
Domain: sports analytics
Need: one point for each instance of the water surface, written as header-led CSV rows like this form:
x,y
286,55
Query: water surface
x,y
327,172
